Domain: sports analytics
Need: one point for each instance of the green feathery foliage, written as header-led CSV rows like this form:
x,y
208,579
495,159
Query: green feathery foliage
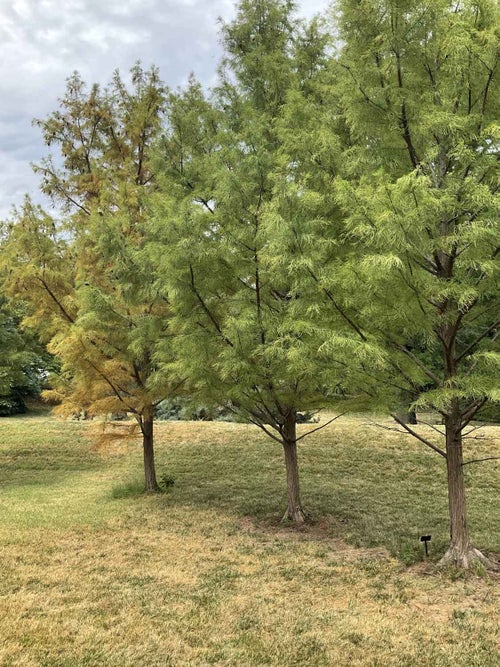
x,y
420,94
239,341
18,361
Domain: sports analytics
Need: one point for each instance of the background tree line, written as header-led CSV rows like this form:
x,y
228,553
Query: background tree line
x,y
319,230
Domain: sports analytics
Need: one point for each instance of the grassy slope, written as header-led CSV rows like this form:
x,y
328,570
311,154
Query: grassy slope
x,y
92,574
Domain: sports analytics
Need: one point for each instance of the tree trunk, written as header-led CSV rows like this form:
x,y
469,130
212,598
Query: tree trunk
x,y
148,451
412,417
460,552
294,511
407,416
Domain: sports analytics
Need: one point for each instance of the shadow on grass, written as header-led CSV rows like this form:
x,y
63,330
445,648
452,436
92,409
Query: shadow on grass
x,y
35,410
43,451
28,466
372,491
374,497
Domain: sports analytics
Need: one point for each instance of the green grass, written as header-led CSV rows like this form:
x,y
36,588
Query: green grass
x,y
94,573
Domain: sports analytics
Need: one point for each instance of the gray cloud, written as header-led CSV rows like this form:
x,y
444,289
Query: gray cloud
x,y
44,41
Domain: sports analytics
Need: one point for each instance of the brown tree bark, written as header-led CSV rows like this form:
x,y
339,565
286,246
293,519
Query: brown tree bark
x,y
294,511
151,483
460,553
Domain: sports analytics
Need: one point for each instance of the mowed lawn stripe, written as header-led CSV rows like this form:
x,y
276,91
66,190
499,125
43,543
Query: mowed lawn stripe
x,y
204,574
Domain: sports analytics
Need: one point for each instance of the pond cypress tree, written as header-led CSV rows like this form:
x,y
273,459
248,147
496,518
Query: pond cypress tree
x,y
87,277
238,340
420,195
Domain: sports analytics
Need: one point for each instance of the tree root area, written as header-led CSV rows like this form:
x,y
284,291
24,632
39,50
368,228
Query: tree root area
x,y
465,558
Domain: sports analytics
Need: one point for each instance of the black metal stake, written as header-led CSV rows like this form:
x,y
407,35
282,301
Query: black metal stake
x,y
425,539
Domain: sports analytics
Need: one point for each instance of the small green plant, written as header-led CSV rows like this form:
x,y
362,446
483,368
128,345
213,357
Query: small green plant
x,y
409,552
128,489
166,482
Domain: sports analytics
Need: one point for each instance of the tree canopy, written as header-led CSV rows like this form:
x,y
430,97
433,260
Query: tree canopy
x,y
320,229
87,278
420,196
238,337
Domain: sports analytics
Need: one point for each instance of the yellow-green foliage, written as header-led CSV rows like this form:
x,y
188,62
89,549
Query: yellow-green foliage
x,y
86,280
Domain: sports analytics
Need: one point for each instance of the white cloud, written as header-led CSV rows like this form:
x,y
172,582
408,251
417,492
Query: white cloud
x,y
44,41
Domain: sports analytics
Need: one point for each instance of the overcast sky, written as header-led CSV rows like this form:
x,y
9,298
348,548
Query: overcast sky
x,y
44,41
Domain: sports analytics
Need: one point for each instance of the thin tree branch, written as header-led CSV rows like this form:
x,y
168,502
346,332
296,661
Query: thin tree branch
x,y
386,428
361,90
469,414
338,308
474,343
318,428
410,354
434,428
488,458
266,431
474,428
207,310
404,122
66,315
423,440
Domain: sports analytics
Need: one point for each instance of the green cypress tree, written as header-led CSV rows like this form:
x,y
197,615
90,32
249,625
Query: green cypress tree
x,y
238,340
420,193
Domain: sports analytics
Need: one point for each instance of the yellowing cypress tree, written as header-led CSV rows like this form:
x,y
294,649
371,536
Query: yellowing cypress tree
x,y
89,282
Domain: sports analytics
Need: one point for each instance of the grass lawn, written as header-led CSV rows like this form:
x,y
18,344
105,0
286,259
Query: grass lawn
x,y
94,573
